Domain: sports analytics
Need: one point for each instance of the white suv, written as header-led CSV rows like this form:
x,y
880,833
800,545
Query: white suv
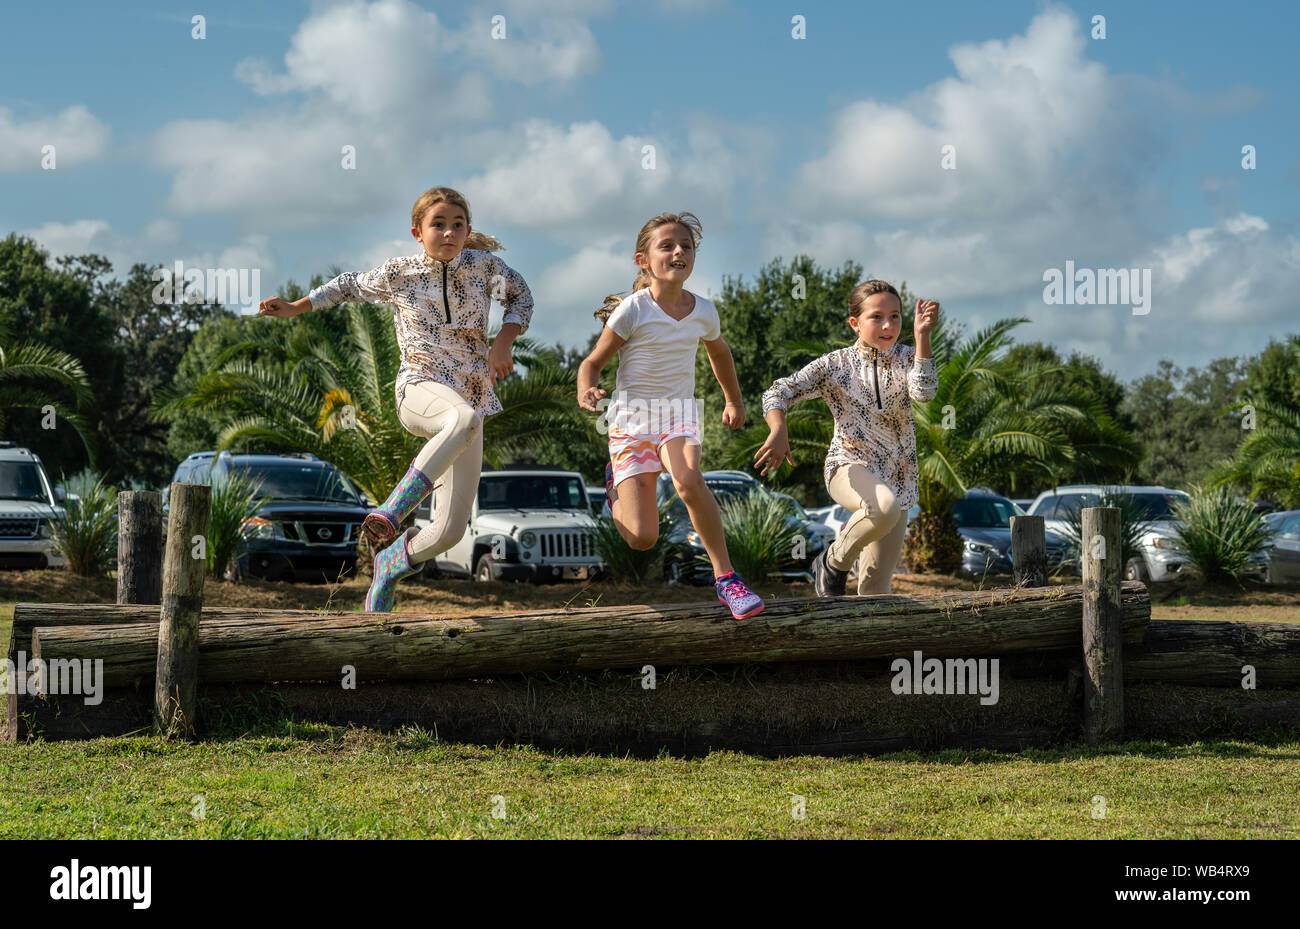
x,y
28,505
526,524
1162,555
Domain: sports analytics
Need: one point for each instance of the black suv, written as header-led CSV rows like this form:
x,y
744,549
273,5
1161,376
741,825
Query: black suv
x,y
308,529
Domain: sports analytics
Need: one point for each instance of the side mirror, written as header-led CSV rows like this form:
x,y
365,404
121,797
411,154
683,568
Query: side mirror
x,y
60,495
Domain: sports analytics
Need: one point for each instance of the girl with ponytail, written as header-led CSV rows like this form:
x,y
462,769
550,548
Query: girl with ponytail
x,y
440,297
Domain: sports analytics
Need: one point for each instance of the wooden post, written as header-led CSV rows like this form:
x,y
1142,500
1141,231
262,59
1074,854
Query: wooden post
x,y
184,569
1029,551
139,546
1103,702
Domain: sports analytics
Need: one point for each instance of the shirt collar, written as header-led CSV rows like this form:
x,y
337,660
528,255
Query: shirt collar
x,y
430,262
868,352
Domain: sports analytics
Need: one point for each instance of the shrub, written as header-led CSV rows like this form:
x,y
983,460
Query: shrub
x,y
932,544
622,562
1219,535
87,534
759,535
1132,526
234,503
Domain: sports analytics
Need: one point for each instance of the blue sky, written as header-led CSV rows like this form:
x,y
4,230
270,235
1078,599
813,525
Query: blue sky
x,y
1122,152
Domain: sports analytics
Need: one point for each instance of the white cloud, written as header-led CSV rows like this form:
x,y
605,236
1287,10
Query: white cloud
x,y
75,133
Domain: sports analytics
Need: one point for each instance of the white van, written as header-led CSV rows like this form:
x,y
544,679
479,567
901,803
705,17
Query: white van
x,y
28,506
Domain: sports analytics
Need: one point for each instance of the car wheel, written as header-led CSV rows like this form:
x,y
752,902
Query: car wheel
x,y
1136,570
483,568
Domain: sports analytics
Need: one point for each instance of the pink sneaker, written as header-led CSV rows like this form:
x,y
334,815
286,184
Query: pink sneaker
x,y
742,601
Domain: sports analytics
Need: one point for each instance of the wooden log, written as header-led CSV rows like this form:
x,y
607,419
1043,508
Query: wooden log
x,y
139,546
1217,654
185,566
1029,551
1103,701
413,646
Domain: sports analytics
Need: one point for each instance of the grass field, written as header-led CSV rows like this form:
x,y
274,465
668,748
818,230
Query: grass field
x,y
284,779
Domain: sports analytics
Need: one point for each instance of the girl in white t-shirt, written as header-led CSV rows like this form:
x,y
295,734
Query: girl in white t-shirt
x,y
653,417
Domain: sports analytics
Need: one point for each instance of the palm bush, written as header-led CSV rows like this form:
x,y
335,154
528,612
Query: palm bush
x,y
624,563
1267,462
759,535
86,535
234,503
1132,521
1219,535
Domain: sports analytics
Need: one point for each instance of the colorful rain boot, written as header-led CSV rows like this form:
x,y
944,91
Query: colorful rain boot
x,y
391,565
742,601
381,526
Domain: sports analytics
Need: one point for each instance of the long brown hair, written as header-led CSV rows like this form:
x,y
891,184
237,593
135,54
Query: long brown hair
x,y
479,240
870,289
688,221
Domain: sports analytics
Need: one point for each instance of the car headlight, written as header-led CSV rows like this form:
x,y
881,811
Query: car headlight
x,y
982,548
528,539
1166,543
43,529
693,538
257,527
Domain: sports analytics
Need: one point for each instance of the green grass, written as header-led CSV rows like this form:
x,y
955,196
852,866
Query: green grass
x,y
266,777
317,782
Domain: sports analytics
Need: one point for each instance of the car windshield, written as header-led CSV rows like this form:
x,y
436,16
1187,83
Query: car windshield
x,y
21,480
983,513
795,509
531,492
297,482
1148,506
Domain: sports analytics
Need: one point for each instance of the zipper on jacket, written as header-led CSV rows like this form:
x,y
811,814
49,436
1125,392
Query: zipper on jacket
x,y
875,376
446,307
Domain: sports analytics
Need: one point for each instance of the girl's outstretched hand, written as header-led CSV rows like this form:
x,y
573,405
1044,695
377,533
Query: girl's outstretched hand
x,y
733,415
589,398
927,314
773,452
275,306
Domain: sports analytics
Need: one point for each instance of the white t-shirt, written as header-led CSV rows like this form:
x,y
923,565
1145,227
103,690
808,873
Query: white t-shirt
x,y
656,365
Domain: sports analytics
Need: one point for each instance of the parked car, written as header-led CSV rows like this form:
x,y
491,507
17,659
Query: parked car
x,y
812,526
984,522
28,507
599,499
1162,556
1283,559
687,561
309,527
528,523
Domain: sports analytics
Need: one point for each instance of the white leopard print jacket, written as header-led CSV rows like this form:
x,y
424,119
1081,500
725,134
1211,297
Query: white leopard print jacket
x,y
870,394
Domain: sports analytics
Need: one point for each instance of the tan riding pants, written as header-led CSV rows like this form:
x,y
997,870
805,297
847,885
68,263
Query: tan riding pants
x,y
453,457
873,536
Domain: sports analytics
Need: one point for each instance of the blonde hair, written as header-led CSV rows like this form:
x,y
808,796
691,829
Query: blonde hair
x,y
857,299
434,195
688,221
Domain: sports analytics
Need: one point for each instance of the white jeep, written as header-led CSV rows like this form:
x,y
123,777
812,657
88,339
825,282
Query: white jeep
x,y
529,523
28,506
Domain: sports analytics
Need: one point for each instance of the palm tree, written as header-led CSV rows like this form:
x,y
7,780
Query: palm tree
x,y
988,424
1268,460
307,389
33,375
